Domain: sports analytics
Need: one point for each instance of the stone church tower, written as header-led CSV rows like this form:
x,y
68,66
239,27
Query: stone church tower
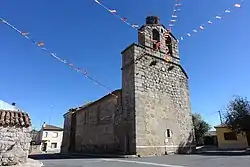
x,y
155,94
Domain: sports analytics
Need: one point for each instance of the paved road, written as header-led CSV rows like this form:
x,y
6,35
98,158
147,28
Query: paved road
x,y
163,161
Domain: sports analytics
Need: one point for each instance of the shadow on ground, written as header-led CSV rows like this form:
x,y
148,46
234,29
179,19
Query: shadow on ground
x,y
69,156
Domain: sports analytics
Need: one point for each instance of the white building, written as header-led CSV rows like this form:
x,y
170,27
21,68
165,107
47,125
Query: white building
x,y
50,138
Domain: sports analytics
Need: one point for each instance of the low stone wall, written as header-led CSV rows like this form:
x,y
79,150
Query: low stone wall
x,y
14,145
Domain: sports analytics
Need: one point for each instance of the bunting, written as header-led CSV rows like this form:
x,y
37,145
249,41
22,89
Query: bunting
x,y
115,13
211,21
41,45
174,16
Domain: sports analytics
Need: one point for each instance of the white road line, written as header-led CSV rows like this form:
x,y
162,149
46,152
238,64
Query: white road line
x,y
141,162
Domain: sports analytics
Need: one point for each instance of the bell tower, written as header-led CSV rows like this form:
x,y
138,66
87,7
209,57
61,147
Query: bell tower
x,y
155,94
156,36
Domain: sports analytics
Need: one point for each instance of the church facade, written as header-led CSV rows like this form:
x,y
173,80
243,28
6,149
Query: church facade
x,y
150,115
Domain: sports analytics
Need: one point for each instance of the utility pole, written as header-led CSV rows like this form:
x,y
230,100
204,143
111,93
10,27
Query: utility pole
x,y
220,116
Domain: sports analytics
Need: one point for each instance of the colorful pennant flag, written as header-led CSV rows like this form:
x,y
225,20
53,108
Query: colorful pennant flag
x,y
112,11
135,26
58,58
40,44
237,5
217,17
174,15
25,33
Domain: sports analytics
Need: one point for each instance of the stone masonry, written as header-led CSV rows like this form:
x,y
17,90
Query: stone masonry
x,y
151,114
14,137
156,96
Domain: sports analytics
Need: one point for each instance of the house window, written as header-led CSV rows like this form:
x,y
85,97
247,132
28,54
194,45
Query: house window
x,y
46,134
53,145
230,136
168,133
55,134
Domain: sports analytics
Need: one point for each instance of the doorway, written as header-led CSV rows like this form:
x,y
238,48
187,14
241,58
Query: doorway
x,y
44,147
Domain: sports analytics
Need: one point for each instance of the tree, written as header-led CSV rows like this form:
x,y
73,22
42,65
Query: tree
x,y
237,117
201,127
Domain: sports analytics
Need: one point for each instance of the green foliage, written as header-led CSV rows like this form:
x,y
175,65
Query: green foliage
x,y
201,127
238,115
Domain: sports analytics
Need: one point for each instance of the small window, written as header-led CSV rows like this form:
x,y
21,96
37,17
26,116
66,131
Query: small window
x,y
168,133
161,30
46,134
230,136
55,134
53,145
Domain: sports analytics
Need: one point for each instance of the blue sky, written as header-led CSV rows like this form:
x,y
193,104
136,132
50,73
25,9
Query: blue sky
x,y
216,60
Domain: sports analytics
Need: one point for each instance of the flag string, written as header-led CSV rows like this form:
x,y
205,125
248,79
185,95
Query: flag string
x,y
174,15
41,45
211,21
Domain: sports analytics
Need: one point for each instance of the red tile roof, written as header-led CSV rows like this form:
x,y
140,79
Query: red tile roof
x,y
52,128
14,118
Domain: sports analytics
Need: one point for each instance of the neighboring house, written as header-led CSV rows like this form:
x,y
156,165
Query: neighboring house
x,y
210,138
14,135
50,138
230,140
150,115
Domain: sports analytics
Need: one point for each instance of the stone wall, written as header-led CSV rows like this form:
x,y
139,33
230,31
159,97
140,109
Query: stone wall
x,y
66,133
95,126
14,145
159,98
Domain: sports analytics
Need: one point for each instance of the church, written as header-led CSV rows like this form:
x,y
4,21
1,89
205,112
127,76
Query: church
x,y
149,115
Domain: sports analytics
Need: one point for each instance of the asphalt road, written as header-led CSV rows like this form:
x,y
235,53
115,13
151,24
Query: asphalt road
x,y
163,161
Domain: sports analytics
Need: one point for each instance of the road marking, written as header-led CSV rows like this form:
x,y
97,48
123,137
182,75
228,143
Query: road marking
x,y
141,162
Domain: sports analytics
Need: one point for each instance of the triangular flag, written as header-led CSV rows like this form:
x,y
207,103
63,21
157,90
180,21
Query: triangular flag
x,y
194,30
124,19
217,17
237,5
178,4
97,1
40,44
71,64
112,11
135,25
181,38
173,20
227,11
189,34
170,25
25,33
201,27
174,16
210,22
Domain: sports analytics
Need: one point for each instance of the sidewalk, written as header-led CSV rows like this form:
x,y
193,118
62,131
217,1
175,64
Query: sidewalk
x,y
216,151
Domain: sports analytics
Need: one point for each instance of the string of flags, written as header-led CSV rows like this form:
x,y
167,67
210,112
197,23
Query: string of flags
x,y
115,13
212,20
176,9
41,45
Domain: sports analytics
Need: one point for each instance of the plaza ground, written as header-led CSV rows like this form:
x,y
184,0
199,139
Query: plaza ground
x,y
164,161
